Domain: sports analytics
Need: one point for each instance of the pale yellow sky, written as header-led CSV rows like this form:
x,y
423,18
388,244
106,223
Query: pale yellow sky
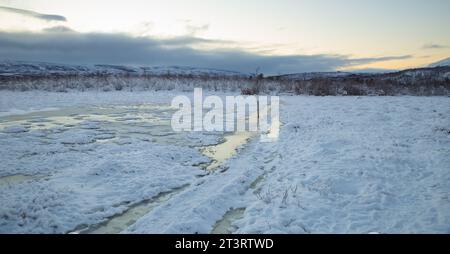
x,y
358,28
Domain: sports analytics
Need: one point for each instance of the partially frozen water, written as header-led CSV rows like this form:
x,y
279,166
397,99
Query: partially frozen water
x,y
145,122
221,152
17,178
71,148
225,225
120,222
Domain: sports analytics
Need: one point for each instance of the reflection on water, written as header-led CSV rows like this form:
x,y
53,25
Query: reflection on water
x,y
221,152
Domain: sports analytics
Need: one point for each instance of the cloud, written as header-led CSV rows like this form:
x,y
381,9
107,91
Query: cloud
x,y
188,40
434,46
108,48
58,29
46,17
371,70
378,59
194,29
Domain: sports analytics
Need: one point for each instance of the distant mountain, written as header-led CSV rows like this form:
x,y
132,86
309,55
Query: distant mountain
x,y
330,75
445,62
20,68
312,75
433,73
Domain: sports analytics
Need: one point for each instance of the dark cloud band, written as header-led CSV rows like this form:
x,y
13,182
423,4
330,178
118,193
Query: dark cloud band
x,y
66,46
434,46
46,17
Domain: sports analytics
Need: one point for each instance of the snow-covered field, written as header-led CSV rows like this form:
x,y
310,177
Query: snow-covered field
x,y
72,162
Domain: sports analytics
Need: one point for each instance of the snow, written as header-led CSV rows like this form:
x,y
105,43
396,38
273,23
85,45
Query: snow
x,y
357,165
88,187
339,165
75,180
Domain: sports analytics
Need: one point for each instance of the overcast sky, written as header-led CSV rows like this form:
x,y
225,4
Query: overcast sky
x,y
280,36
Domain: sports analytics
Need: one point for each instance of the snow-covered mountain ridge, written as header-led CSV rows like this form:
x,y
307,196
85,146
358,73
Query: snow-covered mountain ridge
x,y
14,68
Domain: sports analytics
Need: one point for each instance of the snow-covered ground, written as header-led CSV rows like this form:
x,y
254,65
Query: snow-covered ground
x,y
340,165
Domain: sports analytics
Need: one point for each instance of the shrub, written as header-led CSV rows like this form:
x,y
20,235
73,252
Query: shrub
x,y
248,91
